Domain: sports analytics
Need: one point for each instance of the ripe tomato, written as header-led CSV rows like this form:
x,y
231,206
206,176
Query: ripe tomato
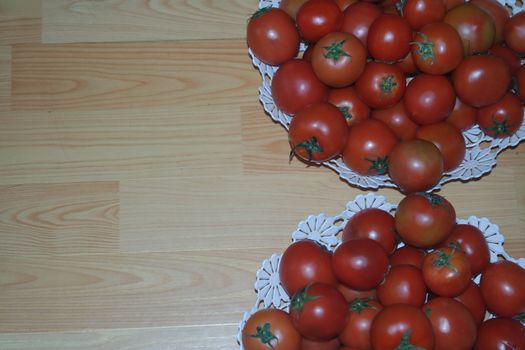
x,y
401,326
381,85
502,118
453,325
318,132
270,328
453,3
514,33
448,139
291,6
437,48
367,147
446,272
463,116
373,223
349,103
402,284
360,263
429,99
295,85
397,120
500,333
510,57
498,13
353,294
503,288
338,59
418,13
389,38
408,255
473,301
407,65
520,83
318,311
332,344
316,18
358,322
305,262
481,80
358,18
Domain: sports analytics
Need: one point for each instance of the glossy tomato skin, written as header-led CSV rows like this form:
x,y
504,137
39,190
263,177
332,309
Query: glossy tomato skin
x,y
360,263
367,147
358,18
419,13
473,301
349,103
332,344
358,323
305,262
514,33
399,321
316,18
373,223
291,6
510,57
389,38
453,324
295,85
503,118
503,288
462,116
498,13
402,284
270,328
338,59
318,312
353,294
408,255
397,119
500,333
448,139
318,132
381,85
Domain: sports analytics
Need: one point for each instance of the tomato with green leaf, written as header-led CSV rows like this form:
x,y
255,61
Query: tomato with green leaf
x,y
350,104
361,313
381,85
270,329
503,118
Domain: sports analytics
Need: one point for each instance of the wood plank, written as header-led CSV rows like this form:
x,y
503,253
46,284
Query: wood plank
x,y
20,21
5,78
43,219
136,20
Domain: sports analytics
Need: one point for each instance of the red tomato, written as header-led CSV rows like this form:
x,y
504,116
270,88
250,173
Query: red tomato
x,y
291,6
305,262
514,33
473,301
358,18
402,284
453,324
418,13
481,80
437,48
367,148
408,255
295,85
500,333
381,85
316,18
307,54
401,326
448,139
349,103
270,328
520,83
338,59
360,263
407,65
509,56
373,223
318,132
358,322
503,288
502,118
389,38
429,99
397,119
453,3
343,4
463,116
353,294
446,272
497,12
320,345
318,312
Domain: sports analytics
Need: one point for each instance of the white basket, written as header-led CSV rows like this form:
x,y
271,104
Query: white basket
x,y
325,230
478,160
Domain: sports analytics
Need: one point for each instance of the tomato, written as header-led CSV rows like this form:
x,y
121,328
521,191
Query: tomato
x,y
424,219
295,85
407,65
520,83
408,255
316,18
437,48
503,288
415,165
475,27
358,322
429,99
307,54
270,328
446,272
373,223
510,57
448,139
349,103
389,38
463,116
502,118
401,326
343,4
332,344
501,334
498,13
338,59
317,133
360,263
318,311
454,326
367,148
353,294
453,3
481,80
291,6
514,33
418,13
381,85
305,262
358,18
472,242
402,284
397,120
473,301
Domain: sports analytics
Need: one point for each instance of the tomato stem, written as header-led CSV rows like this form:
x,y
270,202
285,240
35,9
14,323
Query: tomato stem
x,y
388,83
379,165
360,304
405,344
265,335
311,146
301,297
335,50
425,48
499,128
443,259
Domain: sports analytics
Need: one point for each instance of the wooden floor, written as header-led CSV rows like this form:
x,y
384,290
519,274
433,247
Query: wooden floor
x,y
141,183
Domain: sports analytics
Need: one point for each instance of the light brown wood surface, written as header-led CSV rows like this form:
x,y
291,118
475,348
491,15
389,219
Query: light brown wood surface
x,y
141,183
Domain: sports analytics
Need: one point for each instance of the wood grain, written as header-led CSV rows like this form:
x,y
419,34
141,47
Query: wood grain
x,y
5,78
20,21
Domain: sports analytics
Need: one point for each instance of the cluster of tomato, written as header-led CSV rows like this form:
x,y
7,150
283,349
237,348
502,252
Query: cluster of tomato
x,y
371,294
348,93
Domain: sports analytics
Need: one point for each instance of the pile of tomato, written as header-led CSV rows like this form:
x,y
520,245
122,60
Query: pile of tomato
x,y
373,293
390,85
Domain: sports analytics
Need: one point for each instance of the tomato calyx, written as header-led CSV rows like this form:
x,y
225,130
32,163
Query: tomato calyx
x,y
405,344
379,165
425,48
360,304
265,335
301,297
434,200
388,84
335,50
260,12
310,145
444,260
499,128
